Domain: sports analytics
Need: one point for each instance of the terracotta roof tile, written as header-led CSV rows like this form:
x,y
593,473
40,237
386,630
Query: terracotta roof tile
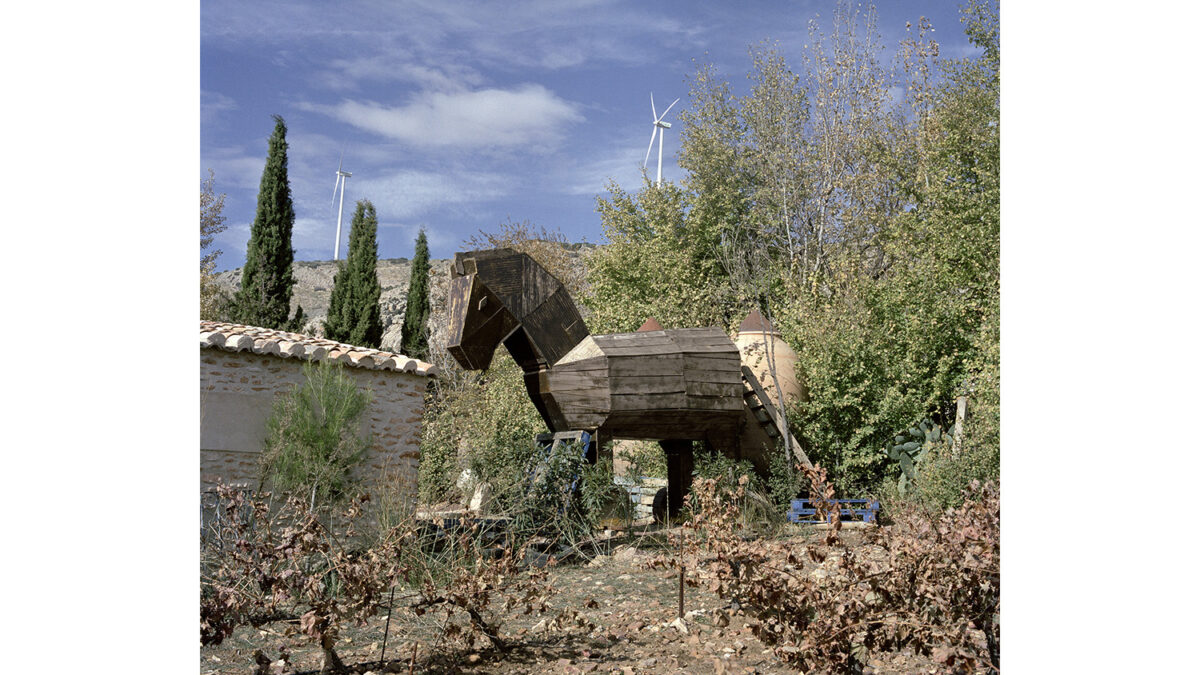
x,y
235,337
755,323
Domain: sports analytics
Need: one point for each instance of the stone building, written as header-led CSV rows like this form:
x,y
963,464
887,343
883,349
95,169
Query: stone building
x,y
243,369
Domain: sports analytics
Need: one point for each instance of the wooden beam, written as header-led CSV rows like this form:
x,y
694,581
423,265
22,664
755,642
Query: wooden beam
x,y
779,420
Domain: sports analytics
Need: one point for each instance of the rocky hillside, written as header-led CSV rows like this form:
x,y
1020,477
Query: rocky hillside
x,y
314,283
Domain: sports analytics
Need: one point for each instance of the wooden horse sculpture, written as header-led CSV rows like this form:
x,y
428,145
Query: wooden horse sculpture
x,y
671,386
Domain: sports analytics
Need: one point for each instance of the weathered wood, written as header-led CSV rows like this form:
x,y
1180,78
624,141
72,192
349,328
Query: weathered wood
x,y
713,389
779,420
676,386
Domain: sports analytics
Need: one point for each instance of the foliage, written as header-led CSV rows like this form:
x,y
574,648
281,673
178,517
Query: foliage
x,y
485,423
414,337
784,484
755,506
601,499
913,446
263,566
212,223
930,583
649,267
646,459
866,229
549,247
313,438
266,292
354,314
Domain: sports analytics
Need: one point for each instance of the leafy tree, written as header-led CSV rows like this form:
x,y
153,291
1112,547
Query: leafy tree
x,y
651,265
212,223
414,341
354,316
313,438
266,292
866,229
550,248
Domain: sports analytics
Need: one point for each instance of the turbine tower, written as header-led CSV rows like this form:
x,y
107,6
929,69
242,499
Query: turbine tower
x,y
660,128
341,178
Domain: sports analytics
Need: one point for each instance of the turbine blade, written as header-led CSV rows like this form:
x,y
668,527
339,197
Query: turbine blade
x,y
337,177
650,147
652,107
669,108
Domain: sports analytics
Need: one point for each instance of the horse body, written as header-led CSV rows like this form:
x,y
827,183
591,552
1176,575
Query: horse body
x,y
672,386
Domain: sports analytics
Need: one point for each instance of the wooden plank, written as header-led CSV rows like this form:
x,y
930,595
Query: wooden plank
x,y
595,362
648,385
667,365
574,381
459,294
713,403
708,349
632,340
503,274
724,370
555,326
779,421
723,390
649,401
717,358
639,350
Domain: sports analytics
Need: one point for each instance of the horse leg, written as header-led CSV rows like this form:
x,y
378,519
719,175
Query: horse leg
x,y
679,472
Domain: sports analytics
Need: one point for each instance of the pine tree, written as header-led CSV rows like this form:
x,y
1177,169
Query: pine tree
x,y
413,341
266,291
354,315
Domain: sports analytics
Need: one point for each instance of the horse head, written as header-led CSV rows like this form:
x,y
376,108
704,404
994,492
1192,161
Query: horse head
x,y
480,319
504,296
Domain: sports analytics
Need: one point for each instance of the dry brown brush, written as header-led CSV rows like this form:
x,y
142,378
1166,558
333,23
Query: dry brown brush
x,y
926,583
288,565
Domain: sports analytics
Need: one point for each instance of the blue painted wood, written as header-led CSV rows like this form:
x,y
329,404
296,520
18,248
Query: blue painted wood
x,y
804,507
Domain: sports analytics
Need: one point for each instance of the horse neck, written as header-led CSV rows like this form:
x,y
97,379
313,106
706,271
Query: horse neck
x,y
537,345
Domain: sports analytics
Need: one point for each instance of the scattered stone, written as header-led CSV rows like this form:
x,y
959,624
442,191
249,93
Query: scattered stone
x,y
679,625
627,553
647,663
481,500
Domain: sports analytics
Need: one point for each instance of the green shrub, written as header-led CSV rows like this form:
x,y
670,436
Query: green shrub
x,y
646,460
486,424
313,438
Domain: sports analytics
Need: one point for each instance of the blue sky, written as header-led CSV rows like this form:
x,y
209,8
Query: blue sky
x,y
459,116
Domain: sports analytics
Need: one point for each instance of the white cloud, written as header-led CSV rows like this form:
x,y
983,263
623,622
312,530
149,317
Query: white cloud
x,y
408,195
529,115
233,167
212,104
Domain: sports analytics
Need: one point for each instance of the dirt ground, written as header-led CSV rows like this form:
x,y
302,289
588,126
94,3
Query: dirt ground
x,y
631,607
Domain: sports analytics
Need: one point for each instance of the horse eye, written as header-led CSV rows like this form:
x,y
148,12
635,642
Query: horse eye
x,y
482,303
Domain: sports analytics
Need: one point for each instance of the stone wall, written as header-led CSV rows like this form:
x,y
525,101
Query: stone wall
x,y
237,390
641,495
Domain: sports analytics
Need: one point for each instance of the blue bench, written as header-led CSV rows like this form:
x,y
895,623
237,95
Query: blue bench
x,y
804,511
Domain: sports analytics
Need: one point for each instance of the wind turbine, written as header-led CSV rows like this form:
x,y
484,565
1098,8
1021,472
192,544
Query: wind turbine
x,y
341,178
660,128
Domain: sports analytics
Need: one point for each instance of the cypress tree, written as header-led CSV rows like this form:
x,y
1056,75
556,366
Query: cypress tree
x,y
413,341
354,316
266,291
